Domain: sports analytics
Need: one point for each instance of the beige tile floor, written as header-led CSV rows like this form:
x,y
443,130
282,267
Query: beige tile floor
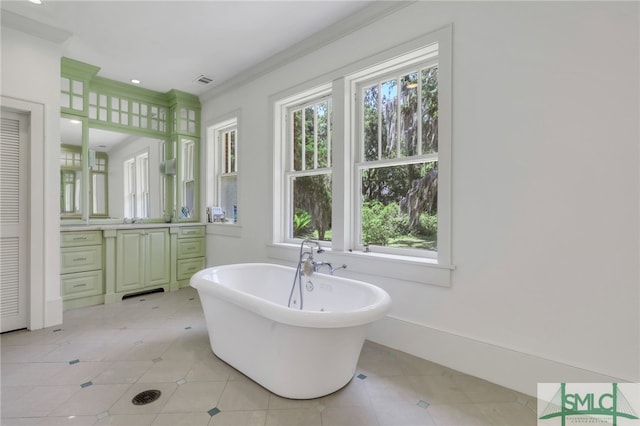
x,y
87,371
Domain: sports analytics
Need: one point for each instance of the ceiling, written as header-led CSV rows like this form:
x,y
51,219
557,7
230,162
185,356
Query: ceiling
x,y
169,44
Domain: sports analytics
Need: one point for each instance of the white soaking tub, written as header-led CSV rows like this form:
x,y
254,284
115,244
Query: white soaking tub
x,y
294,353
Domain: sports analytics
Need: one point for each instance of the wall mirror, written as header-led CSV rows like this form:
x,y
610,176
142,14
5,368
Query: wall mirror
x,y
126,175
123,178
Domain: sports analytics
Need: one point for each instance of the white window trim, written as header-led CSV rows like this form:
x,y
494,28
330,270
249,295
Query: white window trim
x,y
410,268
282,158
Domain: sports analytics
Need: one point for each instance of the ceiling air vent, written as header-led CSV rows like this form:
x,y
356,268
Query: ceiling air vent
x,y
203,80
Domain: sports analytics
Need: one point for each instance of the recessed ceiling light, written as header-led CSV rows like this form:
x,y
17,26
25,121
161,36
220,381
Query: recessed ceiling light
x,y
135,81
75,121
36,1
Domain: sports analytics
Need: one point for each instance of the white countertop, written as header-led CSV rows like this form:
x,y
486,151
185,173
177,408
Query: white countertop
x,y
108,226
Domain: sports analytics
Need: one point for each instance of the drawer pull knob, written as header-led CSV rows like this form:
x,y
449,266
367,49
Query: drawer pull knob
x,y
80,285
79,259
79,238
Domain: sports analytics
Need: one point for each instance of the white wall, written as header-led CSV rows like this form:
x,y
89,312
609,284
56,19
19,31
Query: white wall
x,y
31,73
545,189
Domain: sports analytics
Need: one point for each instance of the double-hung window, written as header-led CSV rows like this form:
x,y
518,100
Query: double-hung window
x,y
222,178
308,170
397,160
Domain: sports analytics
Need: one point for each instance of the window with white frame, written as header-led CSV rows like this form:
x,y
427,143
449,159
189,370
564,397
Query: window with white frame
x,y
223,176
136,186
389,177
397,159
308,169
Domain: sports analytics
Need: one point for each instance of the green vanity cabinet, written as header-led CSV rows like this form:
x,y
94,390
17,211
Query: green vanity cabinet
x,y
190,253
142,259
81,268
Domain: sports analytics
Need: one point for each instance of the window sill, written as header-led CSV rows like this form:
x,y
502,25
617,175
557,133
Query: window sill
x,y
405,268
224,229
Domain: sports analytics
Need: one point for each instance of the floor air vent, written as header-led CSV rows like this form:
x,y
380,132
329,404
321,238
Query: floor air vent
x,y
146,397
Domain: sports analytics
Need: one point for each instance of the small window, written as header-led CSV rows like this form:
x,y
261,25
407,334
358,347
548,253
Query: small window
x,y
222,174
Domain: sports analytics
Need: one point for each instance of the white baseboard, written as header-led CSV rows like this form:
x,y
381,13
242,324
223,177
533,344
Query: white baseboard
x,y
506,367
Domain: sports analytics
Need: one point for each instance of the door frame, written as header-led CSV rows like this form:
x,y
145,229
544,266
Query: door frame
x,y
36,270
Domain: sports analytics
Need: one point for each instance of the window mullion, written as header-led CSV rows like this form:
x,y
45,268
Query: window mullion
x,y
329,141
398,118
303,147
419,112
235,150
379,122
315,137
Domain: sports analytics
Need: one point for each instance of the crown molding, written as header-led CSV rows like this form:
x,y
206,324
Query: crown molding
x,y
372,13
34,28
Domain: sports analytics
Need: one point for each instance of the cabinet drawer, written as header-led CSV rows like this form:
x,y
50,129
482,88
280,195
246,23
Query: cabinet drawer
x,y
80,238
190,247
81,284
190,231
188,267
80,259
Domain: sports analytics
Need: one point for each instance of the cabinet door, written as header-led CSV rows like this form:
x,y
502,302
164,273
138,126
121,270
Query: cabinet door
x,y
129,260
157,257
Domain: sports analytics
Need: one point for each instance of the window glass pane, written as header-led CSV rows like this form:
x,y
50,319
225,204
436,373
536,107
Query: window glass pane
x,y
430,110
389,119
232,152
312,207
323,148
400,206
297,140
77,87
228,194
371,111
64,84
309,139
409,115
77,103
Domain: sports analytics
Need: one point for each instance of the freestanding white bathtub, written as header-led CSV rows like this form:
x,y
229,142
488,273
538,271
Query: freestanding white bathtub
x,y
294,353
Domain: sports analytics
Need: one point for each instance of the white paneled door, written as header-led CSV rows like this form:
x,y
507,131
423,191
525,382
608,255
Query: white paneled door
x,y
13,220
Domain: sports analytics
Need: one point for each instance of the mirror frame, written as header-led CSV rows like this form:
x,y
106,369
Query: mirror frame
x,y
121,107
